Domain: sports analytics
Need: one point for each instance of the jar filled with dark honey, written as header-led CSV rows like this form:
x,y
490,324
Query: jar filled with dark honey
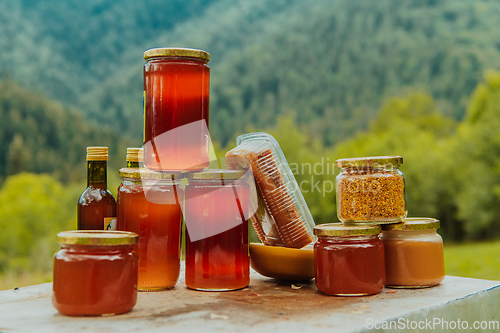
x,y
176,94
95,273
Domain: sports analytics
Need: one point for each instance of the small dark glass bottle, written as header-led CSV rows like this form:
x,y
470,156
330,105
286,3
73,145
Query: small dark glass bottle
x,y
97,206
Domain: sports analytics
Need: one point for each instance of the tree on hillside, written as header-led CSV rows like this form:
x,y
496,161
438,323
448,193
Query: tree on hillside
x,y
478,166
33,209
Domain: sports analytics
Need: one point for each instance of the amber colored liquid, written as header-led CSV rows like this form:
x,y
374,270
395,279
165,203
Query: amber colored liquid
x,y
96,202
159,229
95,281
413,262
176,94
221,261
94,205
349,268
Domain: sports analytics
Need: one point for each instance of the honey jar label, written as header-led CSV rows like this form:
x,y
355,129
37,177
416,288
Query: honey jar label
x,y
110,223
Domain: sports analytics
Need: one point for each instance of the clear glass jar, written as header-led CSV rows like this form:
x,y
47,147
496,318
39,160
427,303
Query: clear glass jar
x,y
216,217
413,253
371,190
150,204
95,273
349,260
176,101
282,217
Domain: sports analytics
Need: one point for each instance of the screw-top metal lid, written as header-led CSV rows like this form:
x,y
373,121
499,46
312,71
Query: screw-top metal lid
x,y
133,154
177,52
97,237
140,155
216,174
147,174
346,230
97,153
413,223
368,161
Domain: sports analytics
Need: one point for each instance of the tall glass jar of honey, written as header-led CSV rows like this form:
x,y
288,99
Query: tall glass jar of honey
x,y
150,204
176,95
216,218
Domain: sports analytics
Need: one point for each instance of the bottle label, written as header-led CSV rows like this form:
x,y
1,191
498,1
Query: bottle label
x,y
110,223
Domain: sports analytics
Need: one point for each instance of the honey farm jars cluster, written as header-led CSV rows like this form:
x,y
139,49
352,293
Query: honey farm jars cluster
x,y
151,203
371,201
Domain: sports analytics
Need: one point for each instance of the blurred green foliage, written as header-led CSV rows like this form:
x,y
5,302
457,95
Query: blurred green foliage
x,y
474,260
33,209
41,136
331,61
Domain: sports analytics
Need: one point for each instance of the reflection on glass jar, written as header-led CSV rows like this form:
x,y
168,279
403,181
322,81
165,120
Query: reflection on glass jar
x,y
176,95
371,190
150,204
413,253
95,273
349,260
216,215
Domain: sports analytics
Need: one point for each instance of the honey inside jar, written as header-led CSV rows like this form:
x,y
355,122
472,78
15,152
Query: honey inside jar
x,y
149,204
176,109
348,260
217,246
95,273
413,254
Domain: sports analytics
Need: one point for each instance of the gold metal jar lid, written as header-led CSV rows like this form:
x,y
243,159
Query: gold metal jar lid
x,y
147,174
346,230
177,52
133,154
97,153
97,237
413,223
216,174
368,161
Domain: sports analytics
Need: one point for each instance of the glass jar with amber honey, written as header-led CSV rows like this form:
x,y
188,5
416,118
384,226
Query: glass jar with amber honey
x,y
176,95
413,253
216,217
371,190
349,259
150,204
95,273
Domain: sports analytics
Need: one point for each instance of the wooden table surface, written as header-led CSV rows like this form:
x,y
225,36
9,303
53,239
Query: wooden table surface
x,y
266,305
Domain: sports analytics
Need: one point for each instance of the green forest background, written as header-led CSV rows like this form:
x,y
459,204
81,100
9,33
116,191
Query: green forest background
x,y
329,79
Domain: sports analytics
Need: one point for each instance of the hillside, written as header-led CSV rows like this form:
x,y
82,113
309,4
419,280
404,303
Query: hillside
x,y
40,136
332,63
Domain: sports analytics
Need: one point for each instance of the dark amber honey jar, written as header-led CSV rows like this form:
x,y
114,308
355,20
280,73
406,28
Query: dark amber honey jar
x,y
176,101
349,260
216,215
95,273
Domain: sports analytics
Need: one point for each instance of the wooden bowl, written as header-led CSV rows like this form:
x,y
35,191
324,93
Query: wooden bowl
x,y
283,263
